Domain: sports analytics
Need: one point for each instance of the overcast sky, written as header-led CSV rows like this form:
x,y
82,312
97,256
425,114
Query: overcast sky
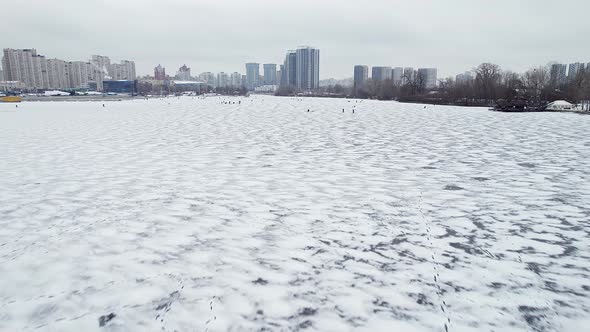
x,y
222,35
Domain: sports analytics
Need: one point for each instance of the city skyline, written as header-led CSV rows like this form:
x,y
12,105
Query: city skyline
x,y
453,36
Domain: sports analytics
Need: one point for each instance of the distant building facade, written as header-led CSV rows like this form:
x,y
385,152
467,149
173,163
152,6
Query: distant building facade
x,y
207,78
38,73
409,75
184,73
381,73
120,86
236,80
361,75
397,74
160,73
427,77
558,74
223,80
270,73
575,69
289,71
308,68
252,75
464,77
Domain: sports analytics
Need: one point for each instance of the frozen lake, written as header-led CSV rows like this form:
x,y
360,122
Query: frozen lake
x,y
193,215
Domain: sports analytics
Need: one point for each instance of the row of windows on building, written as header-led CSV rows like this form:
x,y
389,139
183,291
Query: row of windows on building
x,y
36,72
399,75
561,73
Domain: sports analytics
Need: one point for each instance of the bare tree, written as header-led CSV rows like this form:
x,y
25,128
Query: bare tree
x,y
487,79
535,80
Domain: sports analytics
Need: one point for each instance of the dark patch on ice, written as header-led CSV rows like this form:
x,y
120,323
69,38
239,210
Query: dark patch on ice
x,y
260,281
166,303
308,312
568,251
586,287
421,299
535,267
555,288
527,165
468,249
449,232
103,320
497,285
452,187
305,324
429,167
480,179
535,317
479,224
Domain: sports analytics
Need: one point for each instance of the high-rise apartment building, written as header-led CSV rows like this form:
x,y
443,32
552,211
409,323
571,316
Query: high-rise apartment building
x,y
236,80
308,68
270,73
361,74
57,74
24,66
427,77
409,75
574,70
102,62
397,74
289,71
160,73
223,80
252,75
557,74
465,77
381,73
184,73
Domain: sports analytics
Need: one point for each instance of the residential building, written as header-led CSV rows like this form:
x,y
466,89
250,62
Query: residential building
x,y
77,73
160,73
464,77
427,77
361,74
22,65
236,80
574,70
184,73
557,74
208,78
186,86
381,73
102,62
397,74
223,80
409,75
1,75
289,71
57,74
252,75
270,73
308,68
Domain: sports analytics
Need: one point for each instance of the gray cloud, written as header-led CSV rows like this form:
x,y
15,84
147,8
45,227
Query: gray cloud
x,y
215,35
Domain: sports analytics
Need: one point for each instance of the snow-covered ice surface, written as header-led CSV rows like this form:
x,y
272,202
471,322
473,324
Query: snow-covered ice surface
x,y
192,215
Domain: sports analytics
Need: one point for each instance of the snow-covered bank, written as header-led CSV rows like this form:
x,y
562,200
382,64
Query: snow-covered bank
x,y
189,214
